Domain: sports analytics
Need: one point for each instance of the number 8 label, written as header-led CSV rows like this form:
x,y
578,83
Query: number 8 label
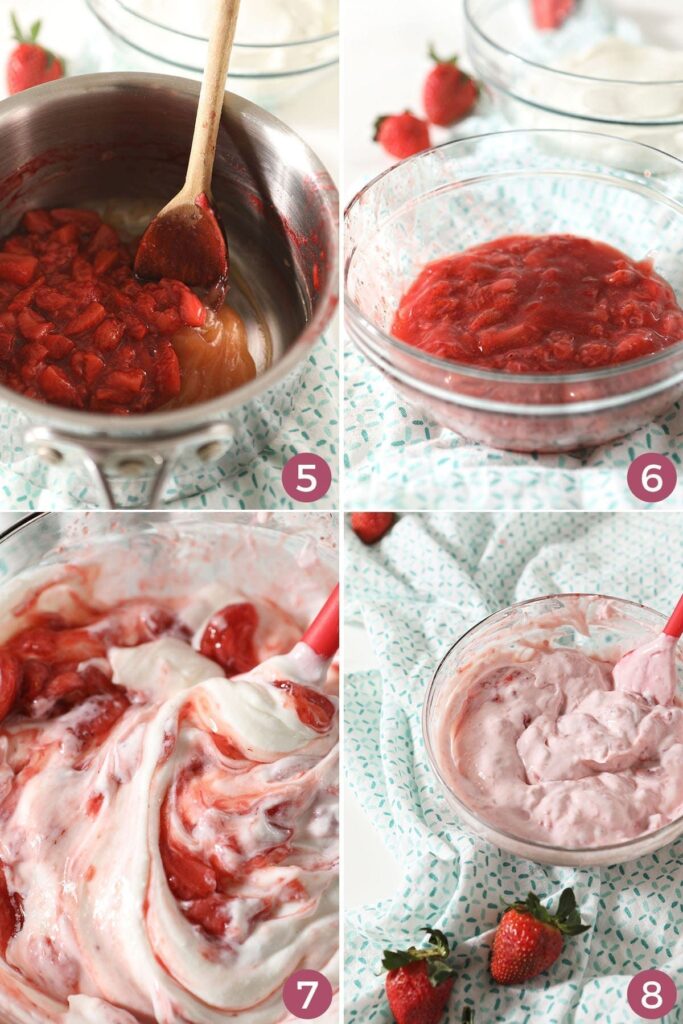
x,y
651,994
307,994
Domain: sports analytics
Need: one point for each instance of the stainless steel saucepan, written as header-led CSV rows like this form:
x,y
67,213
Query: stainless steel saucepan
x,y
126,136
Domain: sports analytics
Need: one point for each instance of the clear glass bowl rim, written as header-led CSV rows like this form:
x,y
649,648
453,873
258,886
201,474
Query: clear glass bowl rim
x,y
572,75
668,831
326,37
450,366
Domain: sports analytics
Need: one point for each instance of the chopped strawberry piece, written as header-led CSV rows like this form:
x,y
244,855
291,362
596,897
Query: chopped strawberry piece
x,y
229,638
189,878
31,325
104,238
107,709
66,234
57,345
313,708
167,370
108,334
211,914
16,268
192,309
11,913
89,365
57,387
130,381
87,219
38,222
91,317
10,681
104,260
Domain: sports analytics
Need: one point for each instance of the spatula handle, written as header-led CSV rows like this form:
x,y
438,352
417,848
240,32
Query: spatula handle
x,y
674,626
322,635
221,37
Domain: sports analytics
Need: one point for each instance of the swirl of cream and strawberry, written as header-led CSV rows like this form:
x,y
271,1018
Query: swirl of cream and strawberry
x,y
168,811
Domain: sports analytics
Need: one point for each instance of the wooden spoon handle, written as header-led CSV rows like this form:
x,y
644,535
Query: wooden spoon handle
x,y
221,36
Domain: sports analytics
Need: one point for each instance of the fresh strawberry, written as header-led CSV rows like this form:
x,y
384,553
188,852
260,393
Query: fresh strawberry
x,y
402,135
449,94
529,938
419,981
30,63
371,526
551,13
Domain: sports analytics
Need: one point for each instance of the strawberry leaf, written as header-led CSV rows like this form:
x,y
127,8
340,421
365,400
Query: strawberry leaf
x,y
567,905
567,919
439,60
438,940
395,958
439,971
434,956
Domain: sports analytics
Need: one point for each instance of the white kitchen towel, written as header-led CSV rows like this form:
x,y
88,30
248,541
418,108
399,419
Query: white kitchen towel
x,y
428,581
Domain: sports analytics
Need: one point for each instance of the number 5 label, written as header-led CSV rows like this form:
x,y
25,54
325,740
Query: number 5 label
x,y
306,477
307,994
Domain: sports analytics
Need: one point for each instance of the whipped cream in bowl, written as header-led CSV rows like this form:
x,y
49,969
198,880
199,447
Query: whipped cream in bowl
x,y
546,751
168,814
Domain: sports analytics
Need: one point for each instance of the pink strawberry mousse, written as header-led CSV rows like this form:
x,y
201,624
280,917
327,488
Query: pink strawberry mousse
x,y
558,747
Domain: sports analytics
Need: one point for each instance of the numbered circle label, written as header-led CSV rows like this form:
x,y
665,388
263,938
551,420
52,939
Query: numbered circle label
x,y
306,477
307,994
651,994
651,477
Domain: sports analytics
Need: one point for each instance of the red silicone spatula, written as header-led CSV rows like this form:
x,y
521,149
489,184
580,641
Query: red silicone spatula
x,y
674,626
322,636
186,241
309,660
650,669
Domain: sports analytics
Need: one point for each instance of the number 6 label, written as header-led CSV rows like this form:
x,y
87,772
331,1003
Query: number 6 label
x,y
651,477
307,994
651,994
306,477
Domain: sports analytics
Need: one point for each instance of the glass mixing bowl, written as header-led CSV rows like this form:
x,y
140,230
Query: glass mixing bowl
x,y
280,47
595,624
116,557
525,70
505,183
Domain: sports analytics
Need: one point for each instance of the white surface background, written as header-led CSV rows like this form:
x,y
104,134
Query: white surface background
x,y
386,44
72,31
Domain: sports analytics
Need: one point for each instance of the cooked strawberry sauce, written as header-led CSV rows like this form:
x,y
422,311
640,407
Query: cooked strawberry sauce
x,y
77,329
539,304
57,664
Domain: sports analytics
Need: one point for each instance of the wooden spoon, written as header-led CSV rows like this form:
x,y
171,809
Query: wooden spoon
x,y
186,240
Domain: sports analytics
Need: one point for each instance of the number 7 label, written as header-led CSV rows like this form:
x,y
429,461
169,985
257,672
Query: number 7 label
x,y
307,994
